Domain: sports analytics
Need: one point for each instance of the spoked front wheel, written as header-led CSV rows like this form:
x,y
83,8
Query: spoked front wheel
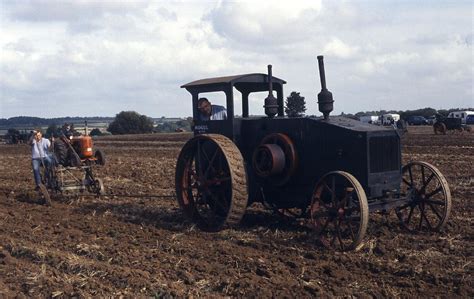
x,y
211,184
429,198
339,211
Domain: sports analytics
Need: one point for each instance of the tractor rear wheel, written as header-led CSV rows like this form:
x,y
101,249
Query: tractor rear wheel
x,y
339,211
60,150
429,196
211,183
74,159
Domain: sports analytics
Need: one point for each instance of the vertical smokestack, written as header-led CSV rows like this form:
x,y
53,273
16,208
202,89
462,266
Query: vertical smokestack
x,y
325,101
271,104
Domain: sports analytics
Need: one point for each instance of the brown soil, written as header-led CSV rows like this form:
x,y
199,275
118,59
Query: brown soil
x,y
114,245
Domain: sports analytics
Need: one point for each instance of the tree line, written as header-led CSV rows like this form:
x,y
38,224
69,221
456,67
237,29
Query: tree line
x,y
31,121
131,122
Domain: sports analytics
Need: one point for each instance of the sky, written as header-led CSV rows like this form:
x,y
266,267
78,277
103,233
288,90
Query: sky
x,y
97,58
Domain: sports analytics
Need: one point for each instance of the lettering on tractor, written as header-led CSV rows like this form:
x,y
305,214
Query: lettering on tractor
x,y
327,172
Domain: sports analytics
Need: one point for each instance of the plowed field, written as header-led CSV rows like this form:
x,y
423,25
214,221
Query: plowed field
x,y
143,246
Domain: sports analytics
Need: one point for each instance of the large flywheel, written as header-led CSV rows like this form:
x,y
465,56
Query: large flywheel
x,y
275,159
211,183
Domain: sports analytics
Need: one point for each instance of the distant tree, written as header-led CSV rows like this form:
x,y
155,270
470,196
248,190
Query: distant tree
x,y
95,132
167,127
183,125
425,112
295,105
444,112
130,122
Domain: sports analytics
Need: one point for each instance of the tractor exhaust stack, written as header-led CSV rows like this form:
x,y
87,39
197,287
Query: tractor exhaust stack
x,y
325,100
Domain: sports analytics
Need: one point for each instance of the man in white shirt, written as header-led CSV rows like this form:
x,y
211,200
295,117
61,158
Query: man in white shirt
x,y
210,112
39,154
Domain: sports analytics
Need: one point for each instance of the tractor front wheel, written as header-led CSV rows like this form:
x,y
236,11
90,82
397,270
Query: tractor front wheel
x,y
339,211
211,183
429,197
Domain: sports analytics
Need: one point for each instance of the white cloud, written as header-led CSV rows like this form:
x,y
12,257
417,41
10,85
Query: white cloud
x,y
339,49
117,56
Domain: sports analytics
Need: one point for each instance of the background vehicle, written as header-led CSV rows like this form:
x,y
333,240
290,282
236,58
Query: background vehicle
x,y
326,172
431,120
369,119
460,114
416,120
470,120
389,118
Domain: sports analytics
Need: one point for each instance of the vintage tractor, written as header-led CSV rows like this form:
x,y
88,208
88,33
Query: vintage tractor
x,y
73,149
329,172
71,173
445,124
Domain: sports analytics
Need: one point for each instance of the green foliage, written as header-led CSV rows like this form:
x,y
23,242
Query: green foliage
x,y
95,132
29,121
181,125
425,112
130,122
295,105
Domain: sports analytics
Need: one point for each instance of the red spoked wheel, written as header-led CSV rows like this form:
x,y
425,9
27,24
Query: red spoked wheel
x,y
339,211
429,196
211,183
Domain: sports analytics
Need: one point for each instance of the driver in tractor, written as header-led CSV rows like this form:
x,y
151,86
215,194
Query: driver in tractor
x,y
207,111
40,155
69,131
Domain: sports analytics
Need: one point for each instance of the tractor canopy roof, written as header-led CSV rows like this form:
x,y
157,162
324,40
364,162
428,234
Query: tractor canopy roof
x,y
245,83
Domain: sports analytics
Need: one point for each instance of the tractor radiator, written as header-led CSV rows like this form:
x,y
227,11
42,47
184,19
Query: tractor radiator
x,y
384,153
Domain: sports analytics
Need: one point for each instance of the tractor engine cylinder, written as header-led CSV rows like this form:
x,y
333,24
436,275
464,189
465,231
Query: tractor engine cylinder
x,y
269,160
271,104
325,100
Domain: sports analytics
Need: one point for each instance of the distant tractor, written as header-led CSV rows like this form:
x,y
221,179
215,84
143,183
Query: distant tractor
x,y
445,124
326,172
71,174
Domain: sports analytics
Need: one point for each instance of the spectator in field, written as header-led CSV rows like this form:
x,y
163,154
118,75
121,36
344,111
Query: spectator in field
x,y
210,112
40,155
